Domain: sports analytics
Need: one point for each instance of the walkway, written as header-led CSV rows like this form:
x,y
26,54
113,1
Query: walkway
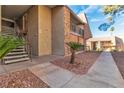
x,y
24,65
104,73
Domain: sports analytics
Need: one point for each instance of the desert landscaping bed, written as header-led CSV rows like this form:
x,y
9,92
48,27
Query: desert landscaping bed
x,y
119,59
21,79
83,62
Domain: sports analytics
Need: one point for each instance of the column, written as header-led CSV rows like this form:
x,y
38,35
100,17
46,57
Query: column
x,y
99,46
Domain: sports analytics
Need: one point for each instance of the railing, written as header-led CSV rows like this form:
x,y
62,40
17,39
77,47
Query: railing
x,y
27,43
28,47
21,36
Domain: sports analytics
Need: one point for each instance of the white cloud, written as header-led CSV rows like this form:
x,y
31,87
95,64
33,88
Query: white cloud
x,y
95,20
122,24
100,19
100,10
90,9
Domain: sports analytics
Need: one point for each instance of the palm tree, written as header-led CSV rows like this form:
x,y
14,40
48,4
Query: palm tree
x,y
7,43
74,46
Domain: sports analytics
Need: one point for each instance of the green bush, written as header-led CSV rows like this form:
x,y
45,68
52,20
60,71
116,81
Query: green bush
x,y
74,46
8,43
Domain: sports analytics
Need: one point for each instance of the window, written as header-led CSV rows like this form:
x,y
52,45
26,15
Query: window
x,y
73,28
77,30
81,31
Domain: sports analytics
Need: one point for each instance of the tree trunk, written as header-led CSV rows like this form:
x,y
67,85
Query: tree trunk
x,y
72,57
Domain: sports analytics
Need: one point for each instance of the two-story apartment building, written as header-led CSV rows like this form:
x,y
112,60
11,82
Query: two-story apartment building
x,y
46,28
105,43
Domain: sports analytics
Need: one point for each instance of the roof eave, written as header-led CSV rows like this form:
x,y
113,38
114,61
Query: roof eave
x,y
75,15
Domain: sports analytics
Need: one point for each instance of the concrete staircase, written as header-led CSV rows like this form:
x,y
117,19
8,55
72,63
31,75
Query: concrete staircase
x,y
16,55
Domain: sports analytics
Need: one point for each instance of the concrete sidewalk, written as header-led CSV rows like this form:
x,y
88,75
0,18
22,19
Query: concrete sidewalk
x,y
103,74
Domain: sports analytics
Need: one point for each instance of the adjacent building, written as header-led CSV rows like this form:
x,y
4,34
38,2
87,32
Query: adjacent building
x,y
105,43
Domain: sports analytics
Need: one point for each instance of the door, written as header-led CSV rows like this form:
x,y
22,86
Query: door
x,y
94,45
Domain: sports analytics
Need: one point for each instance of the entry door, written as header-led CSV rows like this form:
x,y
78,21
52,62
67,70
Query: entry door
x,y
94,45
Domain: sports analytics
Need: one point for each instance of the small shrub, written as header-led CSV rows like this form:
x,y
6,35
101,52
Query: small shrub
x,y
7,43
74,46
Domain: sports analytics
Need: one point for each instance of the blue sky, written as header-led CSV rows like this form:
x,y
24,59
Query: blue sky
x,y
96,17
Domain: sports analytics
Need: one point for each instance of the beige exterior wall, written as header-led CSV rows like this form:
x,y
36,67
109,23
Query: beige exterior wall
x,y
58,30
44,31
0,18
106,43
33,29
48,29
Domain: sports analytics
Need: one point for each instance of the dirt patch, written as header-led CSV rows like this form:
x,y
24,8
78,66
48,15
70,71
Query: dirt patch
x,y
119,59
83,62
21,79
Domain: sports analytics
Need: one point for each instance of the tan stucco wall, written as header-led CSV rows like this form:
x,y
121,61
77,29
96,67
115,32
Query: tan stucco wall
x,y
33,29
115,41
0,18
44,30
58,30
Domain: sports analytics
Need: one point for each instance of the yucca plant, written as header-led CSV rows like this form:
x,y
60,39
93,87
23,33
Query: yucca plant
x,y
74,46
8,43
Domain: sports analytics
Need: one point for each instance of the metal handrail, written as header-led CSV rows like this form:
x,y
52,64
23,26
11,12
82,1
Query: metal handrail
x,y
27,43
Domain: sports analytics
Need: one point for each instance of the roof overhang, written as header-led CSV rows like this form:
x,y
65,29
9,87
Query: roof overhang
x,y
14,11
75,16
101,39
51,6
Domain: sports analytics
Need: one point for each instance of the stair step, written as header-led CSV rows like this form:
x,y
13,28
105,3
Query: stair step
x,y
16,53
16,60
15,57
8,33
22,47
18,50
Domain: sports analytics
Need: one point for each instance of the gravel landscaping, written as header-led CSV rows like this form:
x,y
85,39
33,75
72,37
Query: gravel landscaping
x,y
83,62
119,59
21,79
